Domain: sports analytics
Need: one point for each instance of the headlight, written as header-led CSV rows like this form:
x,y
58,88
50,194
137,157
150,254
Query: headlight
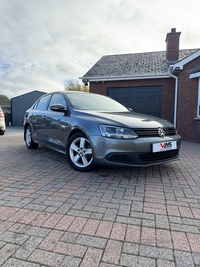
x,y
117,132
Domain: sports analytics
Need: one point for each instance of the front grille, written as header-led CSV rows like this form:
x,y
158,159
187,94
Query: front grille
x,y
143,159
122,159
165,155
153,132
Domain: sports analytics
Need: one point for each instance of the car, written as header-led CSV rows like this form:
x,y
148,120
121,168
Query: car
x,y
95,130
2,122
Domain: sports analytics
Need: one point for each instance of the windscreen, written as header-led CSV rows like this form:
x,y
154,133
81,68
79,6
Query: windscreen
x,y
89,101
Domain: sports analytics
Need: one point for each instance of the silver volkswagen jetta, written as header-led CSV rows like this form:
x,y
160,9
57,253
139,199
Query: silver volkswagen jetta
x,y
92,129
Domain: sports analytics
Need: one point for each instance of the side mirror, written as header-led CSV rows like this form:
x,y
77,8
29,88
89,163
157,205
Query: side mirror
x,y
58,108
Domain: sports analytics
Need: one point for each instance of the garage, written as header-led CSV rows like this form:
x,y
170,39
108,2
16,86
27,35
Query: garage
x,y
143,99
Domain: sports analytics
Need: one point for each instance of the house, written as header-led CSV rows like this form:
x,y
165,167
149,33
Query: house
x,y
165,83
20,104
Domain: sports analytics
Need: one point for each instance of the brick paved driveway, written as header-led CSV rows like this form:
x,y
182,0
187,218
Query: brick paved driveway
x,y
51,215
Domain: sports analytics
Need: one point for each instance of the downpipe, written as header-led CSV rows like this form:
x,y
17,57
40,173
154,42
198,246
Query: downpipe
x,y
175,96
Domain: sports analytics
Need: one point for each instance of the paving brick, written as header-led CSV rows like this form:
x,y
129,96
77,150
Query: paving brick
x,y
118,231
144,262
51,240
91,241
52,220
196,258
183,259
19,263
28,247
162,221
70,249
128,260
14,238
163,238
104,229
77,225
35,231
184,228
46,258
180,241
90,227
29,216
128,220
64,223
112,252
7,251
110,215
5,226
194,241
40,219
92,257
155,252
164,263
7,212
70,261
196,213
130,248
133,234
185,212
148,236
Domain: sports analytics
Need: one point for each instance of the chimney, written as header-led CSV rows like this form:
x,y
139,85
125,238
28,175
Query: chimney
x,y
172,45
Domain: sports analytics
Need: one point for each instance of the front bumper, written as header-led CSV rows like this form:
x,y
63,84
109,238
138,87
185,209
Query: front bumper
x,y
135,152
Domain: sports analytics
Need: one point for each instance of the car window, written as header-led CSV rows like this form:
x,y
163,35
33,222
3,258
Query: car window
x,y
42,103
89,101
57,99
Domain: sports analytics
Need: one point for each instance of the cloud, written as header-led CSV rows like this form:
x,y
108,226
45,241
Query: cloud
x,y
46,42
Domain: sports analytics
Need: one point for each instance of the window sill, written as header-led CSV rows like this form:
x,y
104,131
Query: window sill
x,y
197,119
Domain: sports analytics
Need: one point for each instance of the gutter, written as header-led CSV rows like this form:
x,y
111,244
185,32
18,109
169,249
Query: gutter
x,y
176,94
122,78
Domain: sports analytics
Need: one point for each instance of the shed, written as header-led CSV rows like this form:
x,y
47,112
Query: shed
x,y
20,104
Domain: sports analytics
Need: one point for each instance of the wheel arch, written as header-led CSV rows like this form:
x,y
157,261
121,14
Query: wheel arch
x,y
74,131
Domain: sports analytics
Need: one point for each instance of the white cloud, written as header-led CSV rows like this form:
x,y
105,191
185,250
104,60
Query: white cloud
x,y
45,42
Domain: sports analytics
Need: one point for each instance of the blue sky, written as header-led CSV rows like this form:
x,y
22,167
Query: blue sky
x,y
46,42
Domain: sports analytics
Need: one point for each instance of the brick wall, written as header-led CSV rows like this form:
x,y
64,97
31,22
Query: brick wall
x,y
188,127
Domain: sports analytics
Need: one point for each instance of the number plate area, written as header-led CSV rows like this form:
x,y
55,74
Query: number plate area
x,y
163,146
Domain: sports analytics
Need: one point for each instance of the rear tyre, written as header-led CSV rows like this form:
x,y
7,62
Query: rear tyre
x,y
2,132
79,153
28,139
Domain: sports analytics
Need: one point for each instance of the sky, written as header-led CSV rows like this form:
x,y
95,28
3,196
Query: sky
x,y
45,43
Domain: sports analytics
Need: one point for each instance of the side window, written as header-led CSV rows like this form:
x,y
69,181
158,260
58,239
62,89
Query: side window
x,y
42,103
57,99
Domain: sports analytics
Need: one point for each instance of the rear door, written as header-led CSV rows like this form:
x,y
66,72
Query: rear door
x,y
37,115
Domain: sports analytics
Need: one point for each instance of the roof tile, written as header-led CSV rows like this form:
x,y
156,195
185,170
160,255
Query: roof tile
x,y
150,63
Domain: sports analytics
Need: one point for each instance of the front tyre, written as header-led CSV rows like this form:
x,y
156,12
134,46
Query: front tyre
x,y
28,139
79,153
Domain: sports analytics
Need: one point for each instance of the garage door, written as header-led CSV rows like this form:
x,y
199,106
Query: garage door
x,y
140,99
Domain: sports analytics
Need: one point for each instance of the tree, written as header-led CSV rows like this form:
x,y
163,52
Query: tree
x,y
72,85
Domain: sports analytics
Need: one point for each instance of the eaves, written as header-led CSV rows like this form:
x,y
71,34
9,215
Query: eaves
x,y
186,60
122,78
